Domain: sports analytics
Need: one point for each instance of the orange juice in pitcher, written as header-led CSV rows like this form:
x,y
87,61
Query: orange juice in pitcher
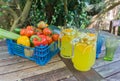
x,y
66,46
84,52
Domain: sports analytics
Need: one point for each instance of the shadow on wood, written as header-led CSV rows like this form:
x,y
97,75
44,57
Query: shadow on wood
x,y
91,75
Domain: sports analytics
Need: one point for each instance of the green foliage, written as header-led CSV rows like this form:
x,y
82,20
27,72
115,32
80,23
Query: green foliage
x,y
5,8
53,12
80,16
94,1
7,0
45,10
1,13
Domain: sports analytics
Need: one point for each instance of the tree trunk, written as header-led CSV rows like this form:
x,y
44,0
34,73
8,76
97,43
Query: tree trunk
x,y
21,19
66,11
100,15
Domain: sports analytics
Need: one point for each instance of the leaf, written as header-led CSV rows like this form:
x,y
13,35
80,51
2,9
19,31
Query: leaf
x,y
1,13
4,6
7,0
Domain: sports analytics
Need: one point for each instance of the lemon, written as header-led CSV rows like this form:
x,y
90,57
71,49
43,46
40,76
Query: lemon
x,y
91,34
88,49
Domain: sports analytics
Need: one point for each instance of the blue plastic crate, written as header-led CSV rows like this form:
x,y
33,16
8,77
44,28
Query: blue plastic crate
x,y
40,54
43,54
9,45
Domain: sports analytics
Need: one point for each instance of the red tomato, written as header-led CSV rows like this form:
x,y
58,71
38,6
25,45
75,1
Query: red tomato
x,y
55,37
43,39
49,39
39,33
29,28
23,32
47,31
29,33
44,36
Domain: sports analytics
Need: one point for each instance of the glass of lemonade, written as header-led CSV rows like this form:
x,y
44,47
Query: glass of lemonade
x,y
84,51
67,35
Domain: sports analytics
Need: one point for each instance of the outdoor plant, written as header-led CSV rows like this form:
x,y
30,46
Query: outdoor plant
x,y
79,13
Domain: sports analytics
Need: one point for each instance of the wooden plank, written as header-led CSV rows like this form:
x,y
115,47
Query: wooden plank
x,y
15,59
69,79
3,52
5,55
109,69
115,77
115,30
20,74
100,62
3,48
2,43
92,75
20,65
82,76
17,66
54,75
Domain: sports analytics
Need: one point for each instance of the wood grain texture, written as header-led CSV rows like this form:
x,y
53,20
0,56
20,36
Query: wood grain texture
x,y
20,65
5,55
69,79
3,48
82,76
54,75
100,62
16,67
115,77
17,59
2,43
9,61
109,69
28,72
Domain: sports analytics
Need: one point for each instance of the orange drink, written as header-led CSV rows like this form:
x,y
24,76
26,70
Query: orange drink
x,y
84,52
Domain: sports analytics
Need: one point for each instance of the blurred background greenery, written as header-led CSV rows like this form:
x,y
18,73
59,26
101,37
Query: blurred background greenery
x,y
76,13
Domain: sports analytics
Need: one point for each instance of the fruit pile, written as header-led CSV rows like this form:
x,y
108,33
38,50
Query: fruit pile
x,y
35,36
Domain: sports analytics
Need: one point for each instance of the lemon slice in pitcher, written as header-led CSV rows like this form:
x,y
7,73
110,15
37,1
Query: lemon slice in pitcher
x,y
88,49
79,47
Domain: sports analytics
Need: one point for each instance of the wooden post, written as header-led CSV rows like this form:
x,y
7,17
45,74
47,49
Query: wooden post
x,y
110,29
114,26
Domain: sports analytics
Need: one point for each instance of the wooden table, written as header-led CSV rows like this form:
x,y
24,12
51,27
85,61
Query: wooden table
x,y
15,68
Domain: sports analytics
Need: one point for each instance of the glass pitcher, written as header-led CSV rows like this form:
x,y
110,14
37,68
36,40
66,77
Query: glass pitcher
x,y
84,51
67,35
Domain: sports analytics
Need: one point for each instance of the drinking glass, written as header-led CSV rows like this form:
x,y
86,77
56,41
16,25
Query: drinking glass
x,y
100,41
111,45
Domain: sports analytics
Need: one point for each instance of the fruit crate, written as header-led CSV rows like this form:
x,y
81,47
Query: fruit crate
x,y
39,54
